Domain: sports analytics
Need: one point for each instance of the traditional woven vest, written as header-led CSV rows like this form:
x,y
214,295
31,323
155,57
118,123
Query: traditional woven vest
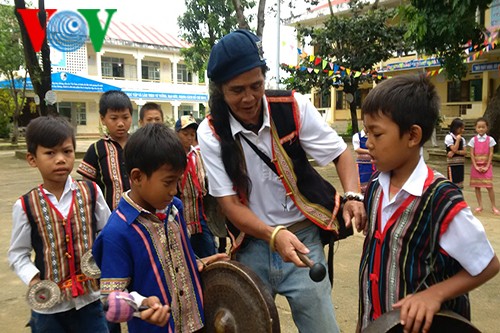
x,y
192,189
406,258
315,197
60,241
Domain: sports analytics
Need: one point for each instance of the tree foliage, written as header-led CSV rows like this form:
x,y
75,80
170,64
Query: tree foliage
x,y
11,61
444,28
202,25
357,41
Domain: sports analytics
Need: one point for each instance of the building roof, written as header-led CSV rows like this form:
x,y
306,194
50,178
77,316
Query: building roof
x,y
139,33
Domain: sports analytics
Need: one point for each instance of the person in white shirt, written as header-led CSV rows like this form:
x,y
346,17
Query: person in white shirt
x,y
59,221
424,250
481,173
262,197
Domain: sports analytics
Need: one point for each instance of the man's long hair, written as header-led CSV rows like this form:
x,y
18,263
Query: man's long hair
x,y
231,152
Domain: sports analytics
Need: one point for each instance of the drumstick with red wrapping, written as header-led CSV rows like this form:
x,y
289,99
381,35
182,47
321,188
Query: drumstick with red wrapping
x,y
317,271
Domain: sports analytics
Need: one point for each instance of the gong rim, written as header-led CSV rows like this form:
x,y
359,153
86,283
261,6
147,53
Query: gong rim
x,y
389,323
214,291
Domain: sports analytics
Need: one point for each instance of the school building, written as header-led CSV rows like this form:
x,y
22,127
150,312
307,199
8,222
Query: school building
x,y
467,99
140,60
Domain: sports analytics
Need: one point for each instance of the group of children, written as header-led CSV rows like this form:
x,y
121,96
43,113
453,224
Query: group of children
x,y
481,155
143,246
136,177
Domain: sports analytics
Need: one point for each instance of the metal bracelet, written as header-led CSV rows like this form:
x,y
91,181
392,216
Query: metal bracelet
x,y
353,196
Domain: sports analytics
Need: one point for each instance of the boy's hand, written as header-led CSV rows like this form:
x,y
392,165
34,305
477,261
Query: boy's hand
x,y
211,259
417,311
157,314
34,280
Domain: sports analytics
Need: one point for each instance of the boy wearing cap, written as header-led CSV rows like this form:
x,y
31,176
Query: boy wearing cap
x,y
192,188
278,202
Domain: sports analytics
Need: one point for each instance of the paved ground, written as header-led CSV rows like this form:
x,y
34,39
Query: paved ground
x,y
16,178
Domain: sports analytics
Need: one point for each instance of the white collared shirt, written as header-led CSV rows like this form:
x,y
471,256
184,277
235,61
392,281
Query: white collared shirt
x,y
268,198
465,239
19,253
482,138
356,140
449,140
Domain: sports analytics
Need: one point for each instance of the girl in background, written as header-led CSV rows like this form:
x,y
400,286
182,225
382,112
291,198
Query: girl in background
x,y
455,152
481,174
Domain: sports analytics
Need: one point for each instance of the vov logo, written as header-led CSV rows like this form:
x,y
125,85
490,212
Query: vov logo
x,y
66,30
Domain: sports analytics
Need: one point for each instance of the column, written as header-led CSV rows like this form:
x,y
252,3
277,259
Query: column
x,y
174,72
138,59
98,64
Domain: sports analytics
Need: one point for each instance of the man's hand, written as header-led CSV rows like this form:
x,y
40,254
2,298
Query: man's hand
x,y
157,314
286,244
355,210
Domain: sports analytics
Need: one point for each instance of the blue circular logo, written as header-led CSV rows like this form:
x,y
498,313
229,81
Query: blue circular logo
x,y
67,31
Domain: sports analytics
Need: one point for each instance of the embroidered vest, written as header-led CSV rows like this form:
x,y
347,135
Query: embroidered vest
x,y
405,257
60,241
315,197
192,189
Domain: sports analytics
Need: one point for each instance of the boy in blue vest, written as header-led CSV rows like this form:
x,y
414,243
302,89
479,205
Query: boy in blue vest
x,y
145,247
424,250
58,220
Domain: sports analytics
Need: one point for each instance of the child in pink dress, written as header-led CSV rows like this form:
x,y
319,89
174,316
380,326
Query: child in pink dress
x,y
481,174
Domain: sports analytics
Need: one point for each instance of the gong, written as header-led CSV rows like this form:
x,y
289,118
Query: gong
x,y
89,266
443,321
236,301
43,295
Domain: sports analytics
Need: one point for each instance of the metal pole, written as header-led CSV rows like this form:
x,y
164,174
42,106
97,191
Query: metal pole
x,y
278,46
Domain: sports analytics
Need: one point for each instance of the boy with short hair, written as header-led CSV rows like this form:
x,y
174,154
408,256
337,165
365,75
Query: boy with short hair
x,y
150,113
192,188
59,221
424,250
149,254
103,161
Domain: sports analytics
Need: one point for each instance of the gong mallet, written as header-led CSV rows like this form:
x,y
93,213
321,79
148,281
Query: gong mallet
x,y
120,307
317,271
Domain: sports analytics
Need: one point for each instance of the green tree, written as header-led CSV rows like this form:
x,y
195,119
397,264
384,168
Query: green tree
x,y
202,25
356,42
40,76
11,62
444,28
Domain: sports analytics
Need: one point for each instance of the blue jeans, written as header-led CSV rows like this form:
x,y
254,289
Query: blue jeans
x,y
310,302
203,243
89,319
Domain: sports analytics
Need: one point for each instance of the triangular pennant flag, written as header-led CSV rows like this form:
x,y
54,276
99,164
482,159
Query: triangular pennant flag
x,y
316,70
317,61
309,70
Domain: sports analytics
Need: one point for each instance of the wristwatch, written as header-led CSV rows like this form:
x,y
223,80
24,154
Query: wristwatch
x,y
353,196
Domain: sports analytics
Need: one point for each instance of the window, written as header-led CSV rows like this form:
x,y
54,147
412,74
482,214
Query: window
x,y
339,105
476,90
112,67
465,91
75,112
151,70
183,75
